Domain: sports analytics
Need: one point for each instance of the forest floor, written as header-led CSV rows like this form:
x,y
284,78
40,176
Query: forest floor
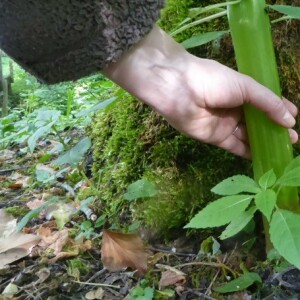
x,y
55,257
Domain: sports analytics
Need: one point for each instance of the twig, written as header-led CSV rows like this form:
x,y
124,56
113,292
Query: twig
x,y
98,284
216,265
13,169
172,252
203,296
208,290
97,274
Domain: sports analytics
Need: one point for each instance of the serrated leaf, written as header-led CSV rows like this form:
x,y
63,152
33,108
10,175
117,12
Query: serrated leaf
x,y
265,201
238,224
239,283
75,154
267,180
140,189
220,212
235,185
292,11
284,234
293,164
202,39
290,178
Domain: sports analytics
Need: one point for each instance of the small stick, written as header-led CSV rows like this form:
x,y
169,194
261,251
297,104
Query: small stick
x,y
98,284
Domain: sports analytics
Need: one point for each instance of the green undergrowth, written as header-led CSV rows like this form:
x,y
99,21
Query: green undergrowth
x,y
132,142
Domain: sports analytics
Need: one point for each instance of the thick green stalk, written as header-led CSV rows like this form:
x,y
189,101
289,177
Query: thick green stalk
x,y
270,144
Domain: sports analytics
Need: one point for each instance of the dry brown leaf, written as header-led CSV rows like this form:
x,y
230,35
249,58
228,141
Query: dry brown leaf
x,y
20,180
34,204
95,294
55,240
120,251
13,245
74,250
15,186
171,278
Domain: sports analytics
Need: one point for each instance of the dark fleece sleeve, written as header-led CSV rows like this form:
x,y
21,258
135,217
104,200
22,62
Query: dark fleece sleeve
x,y
60,40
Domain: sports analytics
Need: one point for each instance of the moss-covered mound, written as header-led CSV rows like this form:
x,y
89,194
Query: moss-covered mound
x,y
132,142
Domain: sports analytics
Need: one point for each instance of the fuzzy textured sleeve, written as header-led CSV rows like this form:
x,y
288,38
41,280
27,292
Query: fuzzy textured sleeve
x,y
60,40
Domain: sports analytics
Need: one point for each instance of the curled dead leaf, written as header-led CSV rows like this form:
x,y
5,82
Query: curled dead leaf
x,y
172,276
120,251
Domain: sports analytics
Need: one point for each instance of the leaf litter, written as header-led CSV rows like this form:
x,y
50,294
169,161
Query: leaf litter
x,y
46,261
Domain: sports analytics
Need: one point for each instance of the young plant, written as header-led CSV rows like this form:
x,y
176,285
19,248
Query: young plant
x,y
243,197
274,190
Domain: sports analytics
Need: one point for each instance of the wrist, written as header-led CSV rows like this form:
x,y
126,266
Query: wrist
x,y
154,71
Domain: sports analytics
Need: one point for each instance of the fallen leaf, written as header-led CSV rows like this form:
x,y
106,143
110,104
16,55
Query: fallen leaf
x,y
96,294
171,278
20,180
6,155
13,245
55,240
34,204
15,186
120,251
10,290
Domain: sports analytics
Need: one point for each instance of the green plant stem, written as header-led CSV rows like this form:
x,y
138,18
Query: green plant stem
x,y
197,22
270,144
60,137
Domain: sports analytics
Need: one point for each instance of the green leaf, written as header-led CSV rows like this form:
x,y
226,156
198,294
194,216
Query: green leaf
x,y
34,213
44,176
38,134
238,224
8,128
220,212
292,12
202,39
284,233
235,185
140,189
75,154
238,284
290,178
267,180
95,107
265,201
139,293
293,164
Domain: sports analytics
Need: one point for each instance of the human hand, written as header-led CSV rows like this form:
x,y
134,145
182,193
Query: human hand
x,y
199,97
212,111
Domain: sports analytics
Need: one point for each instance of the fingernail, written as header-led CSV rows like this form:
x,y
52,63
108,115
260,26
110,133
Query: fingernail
x,y
289,119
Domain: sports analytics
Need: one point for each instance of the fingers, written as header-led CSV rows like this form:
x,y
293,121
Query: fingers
x,y
293,135
237,142
291,107
236,146
281,112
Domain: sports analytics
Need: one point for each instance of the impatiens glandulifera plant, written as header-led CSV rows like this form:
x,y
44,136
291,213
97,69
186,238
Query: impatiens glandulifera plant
x,y
273,191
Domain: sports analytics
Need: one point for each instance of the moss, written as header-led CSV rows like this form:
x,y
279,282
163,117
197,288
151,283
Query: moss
x,y
17,211
131,141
